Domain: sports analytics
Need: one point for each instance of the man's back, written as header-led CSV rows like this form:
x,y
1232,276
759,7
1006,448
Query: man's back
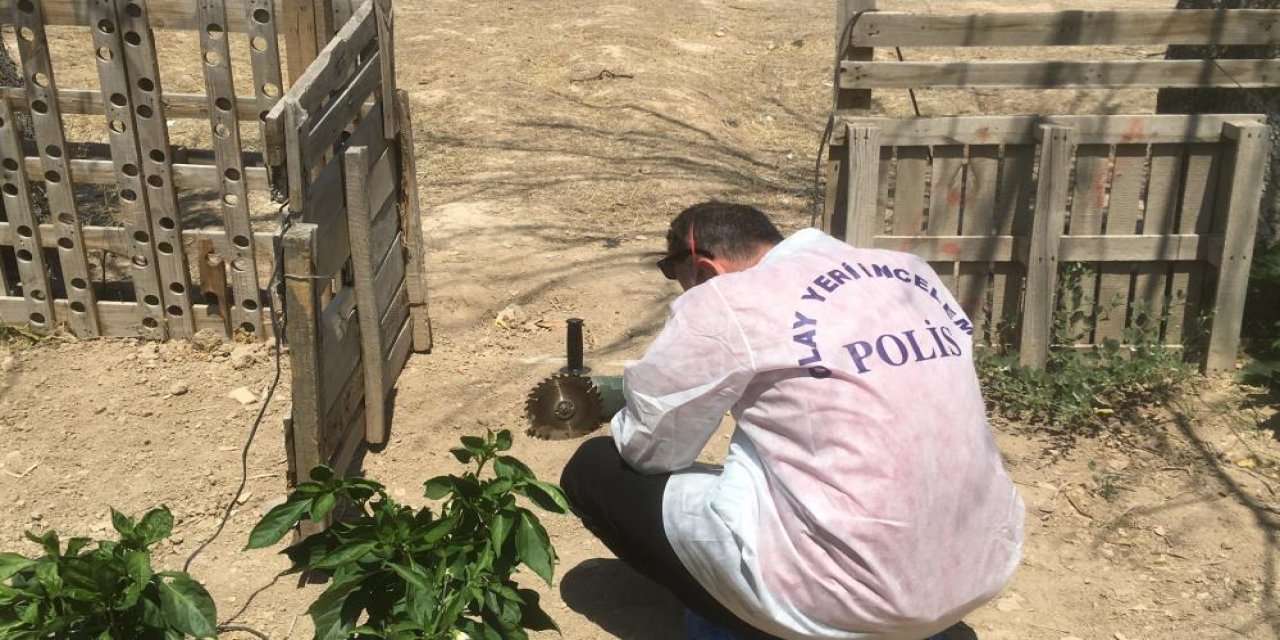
x,y
862,491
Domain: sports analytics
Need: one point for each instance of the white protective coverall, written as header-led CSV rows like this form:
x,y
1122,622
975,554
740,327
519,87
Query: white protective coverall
x,y
862,495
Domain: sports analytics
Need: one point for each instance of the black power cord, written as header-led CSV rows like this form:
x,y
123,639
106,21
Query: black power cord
x,y
841,43
277,322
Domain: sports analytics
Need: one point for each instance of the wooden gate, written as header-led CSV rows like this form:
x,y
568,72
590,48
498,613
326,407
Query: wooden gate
x,y
355,301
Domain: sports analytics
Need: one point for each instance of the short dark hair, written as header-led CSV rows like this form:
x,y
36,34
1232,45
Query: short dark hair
x,y
723,229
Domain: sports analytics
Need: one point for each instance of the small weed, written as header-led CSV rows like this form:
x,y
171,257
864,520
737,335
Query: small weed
x,y
1108,484
1080,391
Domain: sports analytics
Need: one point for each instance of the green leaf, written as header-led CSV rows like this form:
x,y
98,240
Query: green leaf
x,y
509,467
49,541
532,616
412,576
534,547
47,577
464,456
322,474
11,563
123,524
546,495
439,487
322,505
345,554
500,528
138,564
329,613
474,443
504,440
76,545
278,521
155,526
186,605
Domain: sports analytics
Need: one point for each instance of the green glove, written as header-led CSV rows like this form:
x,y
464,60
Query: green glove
x,y
610,388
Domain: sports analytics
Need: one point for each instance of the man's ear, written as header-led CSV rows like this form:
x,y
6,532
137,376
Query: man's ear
x,y
707,268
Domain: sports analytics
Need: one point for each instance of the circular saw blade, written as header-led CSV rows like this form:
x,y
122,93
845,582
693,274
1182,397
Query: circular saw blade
x,y
563,406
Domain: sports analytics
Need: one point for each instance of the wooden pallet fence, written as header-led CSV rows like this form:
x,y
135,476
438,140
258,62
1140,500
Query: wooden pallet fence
x,y
1160,209
355,293
176,280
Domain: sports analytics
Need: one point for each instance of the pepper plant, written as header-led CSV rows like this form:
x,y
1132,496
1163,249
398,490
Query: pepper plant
x,y
108,592
398,572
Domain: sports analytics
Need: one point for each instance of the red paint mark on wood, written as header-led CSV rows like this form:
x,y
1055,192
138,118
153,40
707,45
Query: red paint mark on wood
x,y
1137,130
984,134
950,249
954,194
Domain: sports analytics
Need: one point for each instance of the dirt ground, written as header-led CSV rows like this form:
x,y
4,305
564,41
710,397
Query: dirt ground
x,y
554,141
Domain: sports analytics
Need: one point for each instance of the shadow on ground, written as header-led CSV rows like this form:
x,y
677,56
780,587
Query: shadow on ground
x,y
622,602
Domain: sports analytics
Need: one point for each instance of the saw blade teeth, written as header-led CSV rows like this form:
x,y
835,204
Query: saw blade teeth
x,y
563,406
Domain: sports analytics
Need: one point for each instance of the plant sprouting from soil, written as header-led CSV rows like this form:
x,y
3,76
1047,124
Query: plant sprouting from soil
x,y
111,590
400,572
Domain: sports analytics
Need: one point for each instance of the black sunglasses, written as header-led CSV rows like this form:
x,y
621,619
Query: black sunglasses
x,y
668,264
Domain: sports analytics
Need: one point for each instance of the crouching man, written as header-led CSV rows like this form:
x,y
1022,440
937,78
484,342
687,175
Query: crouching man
x,y
862,495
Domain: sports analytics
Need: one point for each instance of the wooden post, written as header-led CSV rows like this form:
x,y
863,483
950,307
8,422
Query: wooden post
x,y
17,205
213,283
116,91
852,100
246,311
411,223
301,306
42,88
862,159
385,17
264,55
364,266
308,25
1239,201
1049,214
152,133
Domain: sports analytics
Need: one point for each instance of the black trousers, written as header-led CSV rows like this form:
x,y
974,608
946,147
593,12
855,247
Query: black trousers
x,y
623,508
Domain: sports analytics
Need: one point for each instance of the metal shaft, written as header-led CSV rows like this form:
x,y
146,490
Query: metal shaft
x,y
573,346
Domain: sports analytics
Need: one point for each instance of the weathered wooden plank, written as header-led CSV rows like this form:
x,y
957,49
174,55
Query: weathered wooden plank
x,y
862,160
1187,280
1077,248
389,276
113,80
59,188
1088,214
116,319
89,102
1057,144
329,210
152,133
16,190
909,190
384,233
1188,74
384,16
246,314
345,432
264,56
411,222
946,197
116,239
398,354
1111,129
977,219
848,13
303,334
364,268
187,176
165,14
331,69
341,112
1070,28
340,338
1151,278
393,316
1012,215
1115,279
1239,201
384,177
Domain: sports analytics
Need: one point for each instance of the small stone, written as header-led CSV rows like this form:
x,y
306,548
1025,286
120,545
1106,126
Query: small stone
x,y
642,237
242,358
206,340
8,364
1011,602
720,34
177,389
243,395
